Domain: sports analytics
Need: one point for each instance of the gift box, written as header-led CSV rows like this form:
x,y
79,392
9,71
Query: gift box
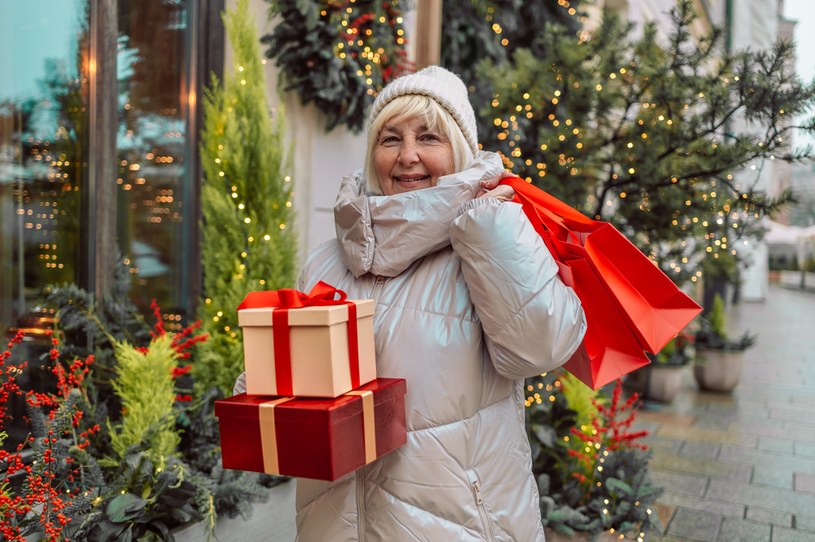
x,y
312,438
322,348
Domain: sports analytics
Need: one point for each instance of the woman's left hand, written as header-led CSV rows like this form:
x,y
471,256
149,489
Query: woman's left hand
x,y
491,189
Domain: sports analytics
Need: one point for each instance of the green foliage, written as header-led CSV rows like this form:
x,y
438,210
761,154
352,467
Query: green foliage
x,y
576,496
337,55
720,267
248,237
621,501
89,326
549,421
477,30
678,352
579,398
147,508
643,132
713,334
111,468
717,318
146,388
89,481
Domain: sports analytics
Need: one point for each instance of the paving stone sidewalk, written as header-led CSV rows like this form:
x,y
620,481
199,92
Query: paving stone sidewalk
x,y
741,466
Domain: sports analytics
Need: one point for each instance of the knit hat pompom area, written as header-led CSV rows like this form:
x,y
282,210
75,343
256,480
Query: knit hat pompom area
x,y
441,85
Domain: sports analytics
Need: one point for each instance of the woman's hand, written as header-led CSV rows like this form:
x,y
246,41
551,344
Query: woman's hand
x,y
491,189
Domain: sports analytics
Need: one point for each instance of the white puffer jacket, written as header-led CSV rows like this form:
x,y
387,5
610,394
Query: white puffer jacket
x,y
468,303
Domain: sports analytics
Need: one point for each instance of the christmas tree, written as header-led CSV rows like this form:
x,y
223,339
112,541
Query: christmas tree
x,y
663,138
248,242
476,30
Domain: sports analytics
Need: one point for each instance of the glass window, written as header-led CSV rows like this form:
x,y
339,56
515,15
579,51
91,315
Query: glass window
x,y
44,154
43,123
151,147
50,172
43,161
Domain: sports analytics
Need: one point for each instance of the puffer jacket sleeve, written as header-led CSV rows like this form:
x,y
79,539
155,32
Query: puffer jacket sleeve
x,y
532,321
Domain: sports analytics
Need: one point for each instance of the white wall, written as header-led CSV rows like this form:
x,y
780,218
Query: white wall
x,y
755,25
640,12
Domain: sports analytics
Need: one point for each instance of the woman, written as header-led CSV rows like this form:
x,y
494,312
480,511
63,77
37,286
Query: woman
x,y
468,304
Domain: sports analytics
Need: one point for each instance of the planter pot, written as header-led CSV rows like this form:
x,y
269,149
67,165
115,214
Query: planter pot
x,y
271,521
664,382
718,370
657,382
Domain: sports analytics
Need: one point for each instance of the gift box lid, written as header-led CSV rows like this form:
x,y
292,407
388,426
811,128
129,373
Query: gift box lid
x,y
318,315
339,408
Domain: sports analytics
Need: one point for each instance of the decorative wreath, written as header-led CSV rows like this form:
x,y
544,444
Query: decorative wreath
x,y
338,54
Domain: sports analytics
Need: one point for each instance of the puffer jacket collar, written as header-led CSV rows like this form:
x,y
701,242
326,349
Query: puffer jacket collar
x,y
384,235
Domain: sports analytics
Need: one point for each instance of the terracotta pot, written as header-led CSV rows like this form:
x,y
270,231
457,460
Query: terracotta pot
x,y
718,370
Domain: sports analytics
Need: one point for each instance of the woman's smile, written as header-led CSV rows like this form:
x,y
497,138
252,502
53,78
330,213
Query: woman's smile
x,y
408,156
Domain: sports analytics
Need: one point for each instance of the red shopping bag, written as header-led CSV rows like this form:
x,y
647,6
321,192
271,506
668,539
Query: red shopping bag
x,y
609,349
654,308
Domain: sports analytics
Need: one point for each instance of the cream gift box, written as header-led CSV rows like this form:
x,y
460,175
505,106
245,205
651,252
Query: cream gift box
x,y
323,356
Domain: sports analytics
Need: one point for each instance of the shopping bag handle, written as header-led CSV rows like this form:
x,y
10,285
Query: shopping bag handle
x,y
552,227
546,228
540,200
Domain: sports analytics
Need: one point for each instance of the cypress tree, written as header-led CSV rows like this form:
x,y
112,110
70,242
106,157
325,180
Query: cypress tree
x,y
248,242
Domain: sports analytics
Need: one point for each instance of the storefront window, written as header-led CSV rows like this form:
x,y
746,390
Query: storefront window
x,y
43,124
151,147
48,217
63,178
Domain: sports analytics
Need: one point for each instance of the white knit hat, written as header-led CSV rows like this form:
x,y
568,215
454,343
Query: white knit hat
x,y
442,86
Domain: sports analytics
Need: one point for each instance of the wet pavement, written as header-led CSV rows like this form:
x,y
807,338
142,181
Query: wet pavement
x,y
741,466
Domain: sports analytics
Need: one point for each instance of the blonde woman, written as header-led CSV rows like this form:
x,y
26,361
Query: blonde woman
x,y
468,304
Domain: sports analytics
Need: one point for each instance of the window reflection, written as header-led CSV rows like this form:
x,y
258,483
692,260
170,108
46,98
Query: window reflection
x,y
43,121
43,162
151,147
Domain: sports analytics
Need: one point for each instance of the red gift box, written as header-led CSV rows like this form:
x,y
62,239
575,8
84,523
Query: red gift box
x,y
309,437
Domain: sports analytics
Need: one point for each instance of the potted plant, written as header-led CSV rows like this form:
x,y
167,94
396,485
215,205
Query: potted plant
x,y
116,446
591,469
662,379
719,359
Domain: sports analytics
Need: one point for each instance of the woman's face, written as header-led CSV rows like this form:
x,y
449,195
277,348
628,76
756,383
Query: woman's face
x,y
409,156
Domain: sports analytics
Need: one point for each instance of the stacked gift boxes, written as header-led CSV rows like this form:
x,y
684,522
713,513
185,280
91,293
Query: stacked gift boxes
x,y
313,406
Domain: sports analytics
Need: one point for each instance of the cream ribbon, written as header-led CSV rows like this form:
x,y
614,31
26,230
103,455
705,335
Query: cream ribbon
x,y
268,435
368,421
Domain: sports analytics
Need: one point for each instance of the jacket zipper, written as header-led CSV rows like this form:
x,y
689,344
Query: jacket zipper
x,y
360,479
380,280
482,509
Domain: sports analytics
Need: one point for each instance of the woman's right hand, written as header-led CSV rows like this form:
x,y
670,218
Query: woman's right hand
x,y
491,189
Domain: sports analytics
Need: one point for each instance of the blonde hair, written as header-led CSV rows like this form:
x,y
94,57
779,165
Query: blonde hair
x,y
435,117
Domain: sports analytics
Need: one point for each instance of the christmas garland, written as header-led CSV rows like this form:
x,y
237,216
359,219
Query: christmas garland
x,y
338,54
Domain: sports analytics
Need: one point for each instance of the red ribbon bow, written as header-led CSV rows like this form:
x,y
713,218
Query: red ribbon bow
x,y
289,298
282,300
